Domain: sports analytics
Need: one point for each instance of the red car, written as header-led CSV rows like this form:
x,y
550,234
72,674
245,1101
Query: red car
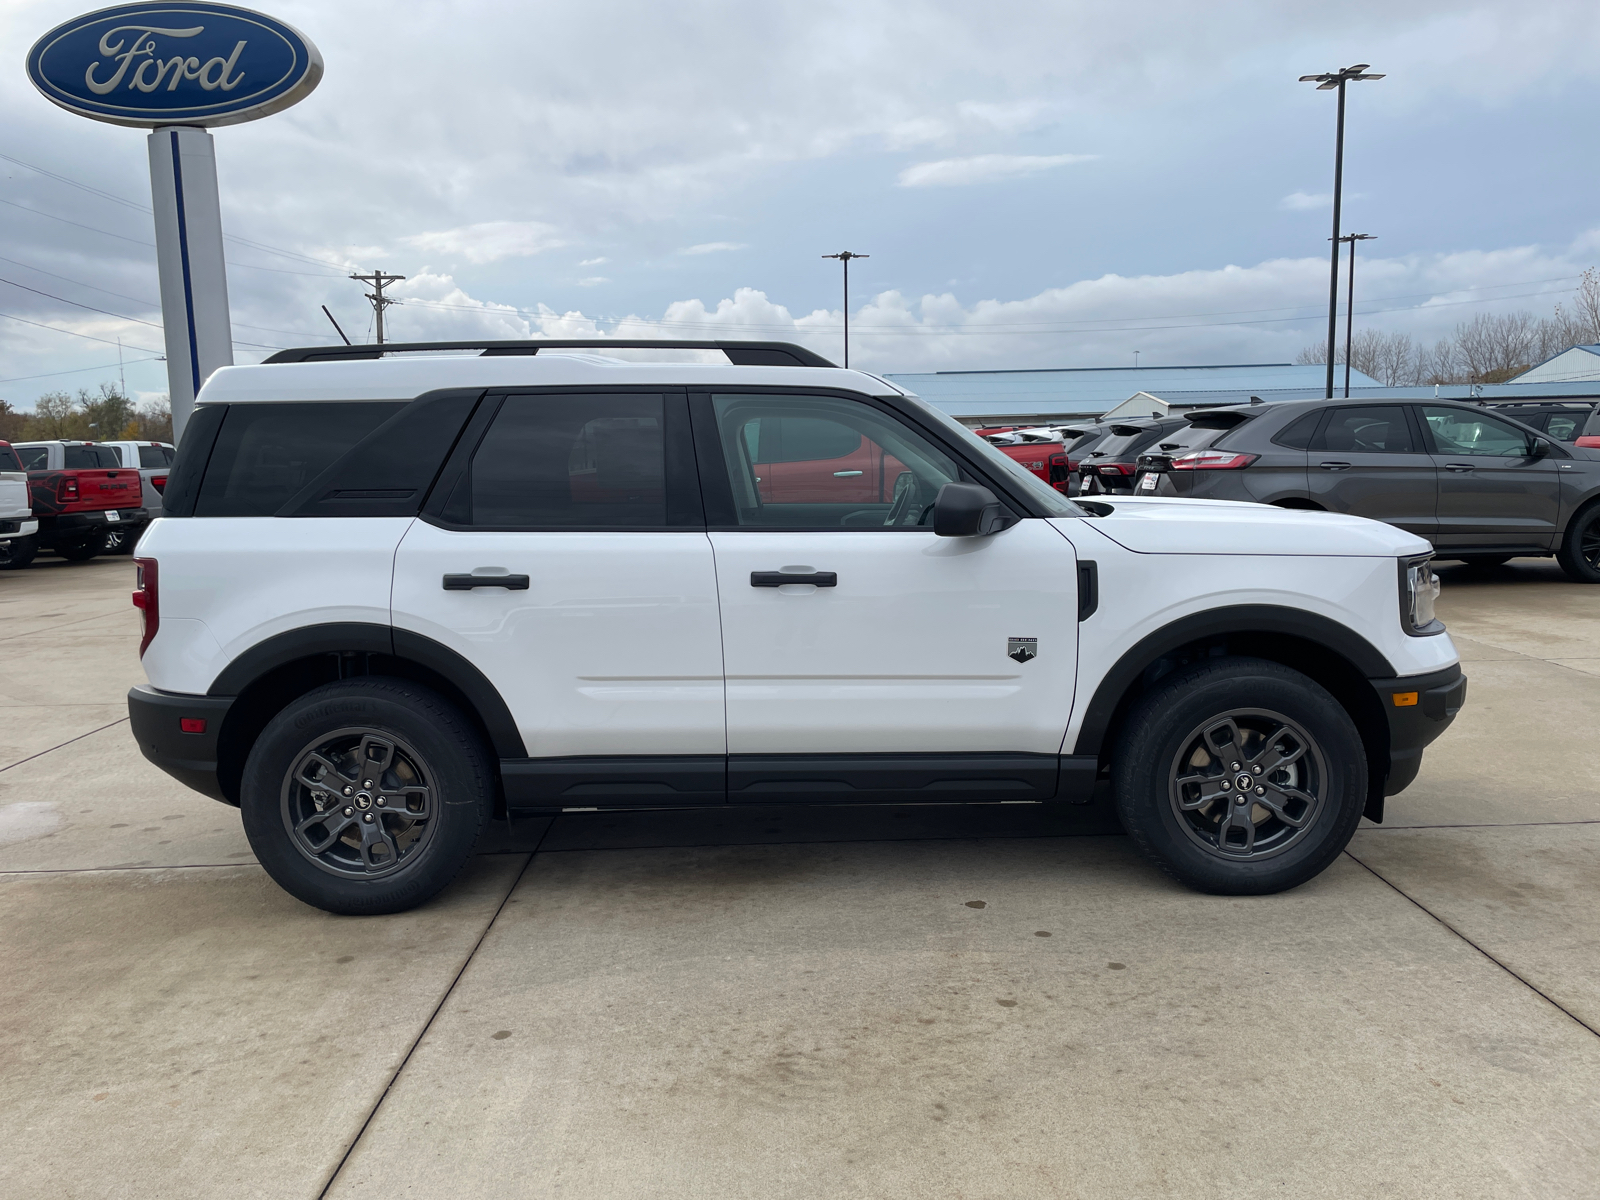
x,y
1041,451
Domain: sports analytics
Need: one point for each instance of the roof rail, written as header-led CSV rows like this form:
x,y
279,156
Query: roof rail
x,y
740,354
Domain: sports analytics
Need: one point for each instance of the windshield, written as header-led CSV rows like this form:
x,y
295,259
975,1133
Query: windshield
x,y
1050,502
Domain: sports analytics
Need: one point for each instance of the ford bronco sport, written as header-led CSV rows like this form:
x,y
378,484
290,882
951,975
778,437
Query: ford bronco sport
x,y
397,591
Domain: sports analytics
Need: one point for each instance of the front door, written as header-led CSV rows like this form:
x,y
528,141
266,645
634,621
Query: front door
x,y
1493,491
568,562
897,664
1365,461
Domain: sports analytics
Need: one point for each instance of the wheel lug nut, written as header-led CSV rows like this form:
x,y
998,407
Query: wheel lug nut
x,y
1260,791
1256,769
1239,799
1235,766
382,800
367,817
349,790
349,812
367,783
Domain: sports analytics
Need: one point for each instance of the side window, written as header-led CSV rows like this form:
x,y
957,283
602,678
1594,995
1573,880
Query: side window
x,y
1299,434
153,456
9,460
823,462
571,462
1563,427
34,458
1377,430
1459,431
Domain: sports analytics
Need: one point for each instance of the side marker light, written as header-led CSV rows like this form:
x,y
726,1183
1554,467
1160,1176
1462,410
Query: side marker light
x,y
198,724
1405,699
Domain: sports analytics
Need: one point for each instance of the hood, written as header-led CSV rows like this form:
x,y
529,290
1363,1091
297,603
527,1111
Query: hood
x,y
1161,525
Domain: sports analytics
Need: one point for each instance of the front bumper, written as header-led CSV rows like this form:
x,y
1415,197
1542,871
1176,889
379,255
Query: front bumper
x,y
1418,708
190,758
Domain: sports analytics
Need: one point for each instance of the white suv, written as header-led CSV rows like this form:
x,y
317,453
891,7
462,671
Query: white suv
x,y
400,590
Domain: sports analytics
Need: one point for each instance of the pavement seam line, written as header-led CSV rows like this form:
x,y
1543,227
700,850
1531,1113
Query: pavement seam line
x,y
1472,825
68,742
250,862
1555,1004
427,1025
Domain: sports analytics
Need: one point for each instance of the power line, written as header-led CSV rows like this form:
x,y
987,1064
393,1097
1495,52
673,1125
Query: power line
x,y
91,308
78,370
74,333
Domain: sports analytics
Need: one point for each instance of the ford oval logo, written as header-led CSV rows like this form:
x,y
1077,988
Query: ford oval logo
x,y
174,64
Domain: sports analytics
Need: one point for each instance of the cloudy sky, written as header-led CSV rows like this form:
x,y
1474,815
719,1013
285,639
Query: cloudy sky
x,y
1038,184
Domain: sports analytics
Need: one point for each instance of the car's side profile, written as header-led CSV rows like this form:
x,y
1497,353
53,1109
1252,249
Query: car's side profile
x,y
390,599
1478,485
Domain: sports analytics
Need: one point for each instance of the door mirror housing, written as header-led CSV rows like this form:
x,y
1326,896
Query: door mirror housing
x,y
969,510
1539,449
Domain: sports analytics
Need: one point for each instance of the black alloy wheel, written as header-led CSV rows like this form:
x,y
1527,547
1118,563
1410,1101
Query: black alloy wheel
x,y
1579,555
1240,776
18,552
367,796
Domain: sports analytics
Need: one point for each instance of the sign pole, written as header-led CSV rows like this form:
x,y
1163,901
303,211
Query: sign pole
x,y
194,280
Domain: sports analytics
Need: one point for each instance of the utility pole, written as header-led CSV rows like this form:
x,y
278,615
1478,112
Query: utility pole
x,y
845,256
378,281
1350,303
1327,82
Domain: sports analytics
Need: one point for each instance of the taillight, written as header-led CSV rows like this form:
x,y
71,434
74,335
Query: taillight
x,y
1590,440
1115,468
159,482
67,488
1213,460
147,599
1060,468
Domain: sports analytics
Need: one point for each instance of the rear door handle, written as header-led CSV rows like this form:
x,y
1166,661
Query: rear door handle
x,y
1458,466
1334,466
779,578
845,474
465,583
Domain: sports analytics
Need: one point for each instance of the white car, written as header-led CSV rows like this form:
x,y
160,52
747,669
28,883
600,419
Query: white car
x,y
17,523
394,597
153,460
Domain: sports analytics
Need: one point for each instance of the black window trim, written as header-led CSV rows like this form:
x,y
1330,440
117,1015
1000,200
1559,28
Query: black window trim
x,y
1553,447
717,491
683,499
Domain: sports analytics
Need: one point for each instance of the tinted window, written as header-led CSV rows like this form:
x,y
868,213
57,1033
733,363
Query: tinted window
x,y
1462,432
1378,430
154,456
1564,426
34,458
1300,432
864,468
265,453
81,458
9,460
572,462
1125,445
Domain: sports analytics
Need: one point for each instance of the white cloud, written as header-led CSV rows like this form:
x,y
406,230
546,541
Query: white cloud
x,y
712,247
593,262
1306,201
982,168
489,241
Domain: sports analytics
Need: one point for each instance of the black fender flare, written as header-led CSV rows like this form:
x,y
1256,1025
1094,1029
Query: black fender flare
x,y
1215,622
367,638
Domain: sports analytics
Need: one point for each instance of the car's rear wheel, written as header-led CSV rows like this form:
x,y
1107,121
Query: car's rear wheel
x,y
367,796
1579,555
1240,776
18,553
78,551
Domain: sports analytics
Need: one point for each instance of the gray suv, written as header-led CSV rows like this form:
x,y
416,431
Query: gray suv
x,y
1480,487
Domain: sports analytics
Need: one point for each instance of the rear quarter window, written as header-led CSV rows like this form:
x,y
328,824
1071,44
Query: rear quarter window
x,y
266,453
9,460
34,458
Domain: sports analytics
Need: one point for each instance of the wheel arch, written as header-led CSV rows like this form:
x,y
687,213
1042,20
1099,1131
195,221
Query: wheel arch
x,y
1334,655
275,671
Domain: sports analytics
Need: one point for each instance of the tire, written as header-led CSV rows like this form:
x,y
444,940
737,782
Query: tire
x,y
1484,562
18,553
361,859
1579,555
1162,772
78,551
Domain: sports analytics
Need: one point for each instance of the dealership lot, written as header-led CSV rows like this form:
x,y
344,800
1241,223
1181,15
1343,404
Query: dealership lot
x,y
980,1003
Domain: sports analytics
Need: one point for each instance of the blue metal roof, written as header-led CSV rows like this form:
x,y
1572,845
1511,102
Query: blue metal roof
x,y
1097,389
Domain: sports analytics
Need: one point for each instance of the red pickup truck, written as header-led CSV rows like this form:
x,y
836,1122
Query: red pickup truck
x,y
1041,451
79,491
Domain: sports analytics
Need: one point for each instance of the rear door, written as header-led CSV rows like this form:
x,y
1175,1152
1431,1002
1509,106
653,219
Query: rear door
x,y
1365,460
1493,490
564,555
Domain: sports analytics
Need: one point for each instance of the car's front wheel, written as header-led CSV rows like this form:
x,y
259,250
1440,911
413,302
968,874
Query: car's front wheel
x,y
1579,555
1240,776
367,796
18,553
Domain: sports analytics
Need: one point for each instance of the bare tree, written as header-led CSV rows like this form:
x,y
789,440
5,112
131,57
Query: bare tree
x,y
1497,346
53,416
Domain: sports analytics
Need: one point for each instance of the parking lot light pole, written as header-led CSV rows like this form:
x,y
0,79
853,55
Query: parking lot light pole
x,y
1350,303
845,256
1327,82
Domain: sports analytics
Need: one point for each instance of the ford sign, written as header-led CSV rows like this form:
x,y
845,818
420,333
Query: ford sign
x,y
174,64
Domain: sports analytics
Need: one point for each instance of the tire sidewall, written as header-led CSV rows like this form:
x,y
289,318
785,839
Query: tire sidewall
x,y
458,766
1571,555
1155,732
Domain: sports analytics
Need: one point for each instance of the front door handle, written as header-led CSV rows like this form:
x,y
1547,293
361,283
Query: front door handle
x,y
779,578
1334,466
1458,467
465,583
845,474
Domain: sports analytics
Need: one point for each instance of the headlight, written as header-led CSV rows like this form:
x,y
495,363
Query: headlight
x,y
1419,588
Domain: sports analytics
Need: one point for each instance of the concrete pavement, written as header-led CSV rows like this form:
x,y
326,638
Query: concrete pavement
x,y
985,1003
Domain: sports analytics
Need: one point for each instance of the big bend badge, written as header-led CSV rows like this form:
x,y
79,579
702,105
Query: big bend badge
x,y
1022,649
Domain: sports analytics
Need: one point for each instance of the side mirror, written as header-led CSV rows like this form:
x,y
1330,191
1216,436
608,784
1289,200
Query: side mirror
x,y
1539,449
968,510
